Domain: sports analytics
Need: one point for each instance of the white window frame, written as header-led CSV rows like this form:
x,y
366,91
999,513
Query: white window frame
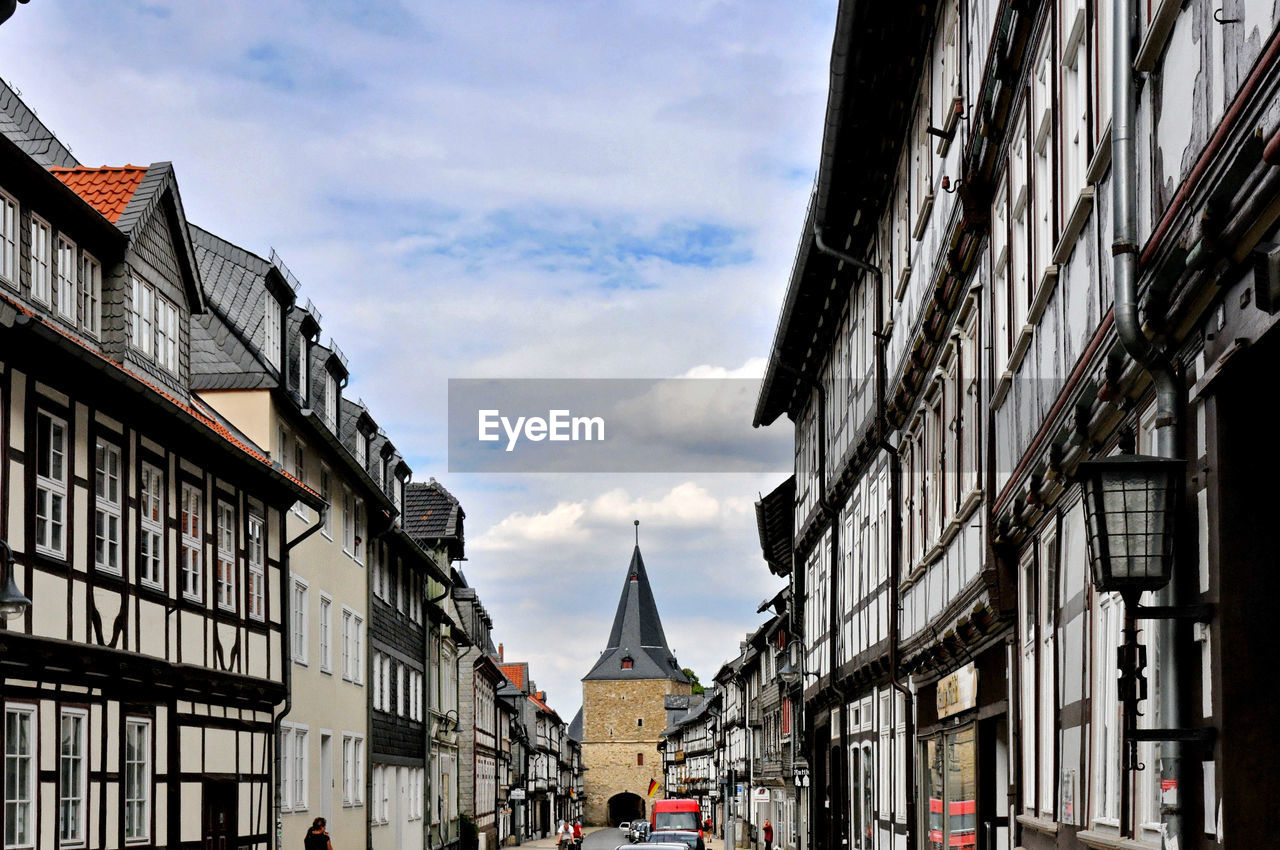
x,y
51,510
256,544
74,764
298,621
41,261
301,375
352,769
108,545
326,491
64,279
300,472
142,311
331,401
348,522
151,540
271,324
143,835
26,762
191,546
225,556
352,641
294,767
167,331
362,449
326,633
358,544
90,295
10,250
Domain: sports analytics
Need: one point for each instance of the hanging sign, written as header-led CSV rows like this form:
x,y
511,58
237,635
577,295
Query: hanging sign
x,y
958,692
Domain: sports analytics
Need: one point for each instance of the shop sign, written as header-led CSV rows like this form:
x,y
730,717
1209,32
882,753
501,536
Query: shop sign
x,y
958,692
762,795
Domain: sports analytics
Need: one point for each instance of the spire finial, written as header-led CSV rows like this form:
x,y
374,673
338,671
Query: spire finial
x,y
637,532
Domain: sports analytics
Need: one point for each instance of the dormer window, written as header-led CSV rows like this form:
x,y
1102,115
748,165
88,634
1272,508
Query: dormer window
x,y
91,296
628,662
331,401
302,367
271,331
9,240
155,326
362,449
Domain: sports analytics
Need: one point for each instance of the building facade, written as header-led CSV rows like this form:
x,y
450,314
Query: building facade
x,y
142,686
1036,238
623,711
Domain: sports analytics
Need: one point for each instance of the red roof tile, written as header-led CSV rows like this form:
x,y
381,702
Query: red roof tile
x,y
108,190
514,674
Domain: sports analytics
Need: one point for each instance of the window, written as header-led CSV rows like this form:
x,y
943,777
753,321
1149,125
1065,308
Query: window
x,y
326,491
271,330
91,296
348,522
9,239
137,780
106,508
192,527
301,375
326,626
226,576
41,259
300,472
1042,161
20,776
142,334
293,767
352,770
400,685
362,449
639,759
282,448
167,334
151,539
949,784
331,401
352,666
73,776
51,484
1107,723
357,551
64,281
639,722
298,613
257,567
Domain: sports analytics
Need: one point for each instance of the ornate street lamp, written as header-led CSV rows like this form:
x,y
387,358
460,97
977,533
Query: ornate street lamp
x,y
13,603
789,673
1130,504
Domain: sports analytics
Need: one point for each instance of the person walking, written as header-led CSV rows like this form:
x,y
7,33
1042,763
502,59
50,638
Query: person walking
x,y
768,834
317,836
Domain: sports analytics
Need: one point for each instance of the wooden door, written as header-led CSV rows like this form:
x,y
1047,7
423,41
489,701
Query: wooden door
x,y
220,815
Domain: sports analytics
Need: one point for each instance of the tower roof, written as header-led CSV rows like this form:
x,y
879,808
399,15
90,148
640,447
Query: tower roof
x,y
636,635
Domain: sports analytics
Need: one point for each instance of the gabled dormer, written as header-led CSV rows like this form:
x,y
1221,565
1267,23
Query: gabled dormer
x,y
148,298
329,378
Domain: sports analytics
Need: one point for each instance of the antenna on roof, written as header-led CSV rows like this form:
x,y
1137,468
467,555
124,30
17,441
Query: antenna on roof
x,y
637,532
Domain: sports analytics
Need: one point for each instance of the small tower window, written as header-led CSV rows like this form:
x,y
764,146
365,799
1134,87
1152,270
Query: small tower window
x,y
627,663
640,759
639,722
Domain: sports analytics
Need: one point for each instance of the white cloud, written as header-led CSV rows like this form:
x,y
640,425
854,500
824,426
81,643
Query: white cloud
x,y
753,368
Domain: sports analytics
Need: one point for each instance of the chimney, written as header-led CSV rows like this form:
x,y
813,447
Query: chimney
x,y
501,657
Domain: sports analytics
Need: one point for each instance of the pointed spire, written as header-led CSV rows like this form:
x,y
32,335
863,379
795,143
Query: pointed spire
x,y
637,647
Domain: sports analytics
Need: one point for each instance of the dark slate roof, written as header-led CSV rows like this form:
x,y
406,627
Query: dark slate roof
x,y
21,126
637,633
221,360
431,512
775,517
233,279
575,727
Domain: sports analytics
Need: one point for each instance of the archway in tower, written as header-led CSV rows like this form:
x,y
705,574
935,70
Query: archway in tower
x,y
625,807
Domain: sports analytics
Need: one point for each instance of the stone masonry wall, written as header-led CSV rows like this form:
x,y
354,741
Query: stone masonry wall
x,y
612,738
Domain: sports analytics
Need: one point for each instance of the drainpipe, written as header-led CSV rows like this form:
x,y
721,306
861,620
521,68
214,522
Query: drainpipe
x,y
895,524
286,672
1124,250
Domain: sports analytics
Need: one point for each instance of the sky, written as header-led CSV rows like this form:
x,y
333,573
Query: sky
x,y
483,189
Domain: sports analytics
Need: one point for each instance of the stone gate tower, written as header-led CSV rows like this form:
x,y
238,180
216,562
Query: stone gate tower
x,y
622,706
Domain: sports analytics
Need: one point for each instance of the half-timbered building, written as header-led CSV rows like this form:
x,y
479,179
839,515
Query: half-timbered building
x,y
1038,236
142,687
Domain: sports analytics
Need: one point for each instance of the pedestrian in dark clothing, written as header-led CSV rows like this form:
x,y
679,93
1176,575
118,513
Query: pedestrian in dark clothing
x,y
768,835
317,838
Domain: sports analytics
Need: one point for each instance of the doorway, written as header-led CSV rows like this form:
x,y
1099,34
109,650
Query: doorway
x,y
625,807
220,815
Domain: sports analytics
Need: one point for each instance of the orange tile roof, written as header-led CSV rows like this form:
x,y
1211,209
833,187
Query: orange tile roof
x,y
514,674
204,419
106,189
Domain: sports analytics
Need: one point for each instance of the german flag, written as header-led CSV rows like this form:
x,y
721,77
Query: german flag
x,y
653,787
